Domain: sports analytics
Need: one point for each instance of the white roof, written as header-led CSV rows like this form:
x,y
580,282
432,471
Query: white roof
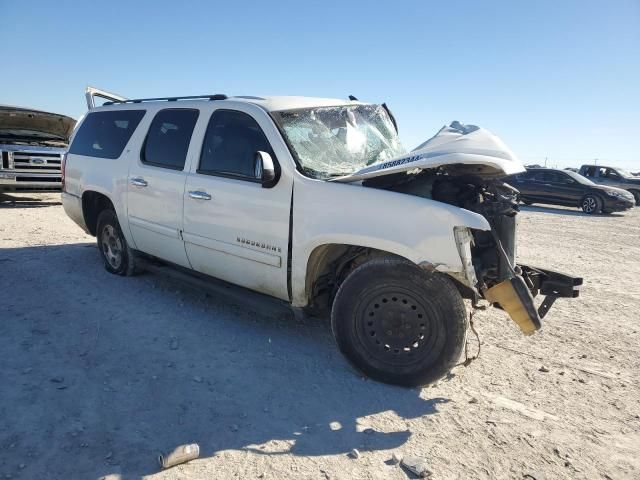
x,y
269,104
292,102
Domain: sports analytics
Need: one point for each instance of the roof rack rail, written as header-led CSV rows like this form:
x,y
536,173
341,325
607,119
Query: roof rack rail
x,y
215,96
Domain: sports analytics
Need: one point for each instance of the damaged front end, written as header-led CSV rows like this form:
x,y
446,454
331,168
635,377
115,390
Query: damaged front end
x,y
463,166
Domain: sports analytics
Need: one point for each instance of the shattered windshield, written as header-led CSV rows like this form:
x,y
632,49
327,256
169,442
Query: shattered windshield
x,y
334,141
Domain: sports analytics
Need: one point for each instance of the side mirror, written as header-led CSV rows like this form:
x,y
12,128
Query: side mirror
x,y
264,170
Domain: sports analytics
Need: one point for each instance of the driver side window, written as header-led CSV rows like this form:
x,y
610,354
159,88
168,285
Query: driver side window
x,y
230,145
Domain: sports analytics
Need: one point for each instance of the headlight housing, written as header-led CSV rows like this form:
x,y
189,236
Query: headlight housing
x,y
616,194
464,240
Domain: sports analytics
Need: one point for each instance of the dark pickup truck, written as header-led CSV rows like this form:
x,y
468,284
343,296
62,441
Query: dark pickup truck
x,y
613,177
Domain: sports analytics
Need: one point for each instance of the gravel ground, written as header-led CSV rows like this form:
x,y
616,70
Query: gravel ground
x,y
100,373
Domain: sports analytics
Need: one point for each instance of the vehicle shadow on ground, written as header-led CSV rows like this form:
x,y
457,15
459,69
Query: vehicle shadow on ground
x,y
32,201
106,372
567,211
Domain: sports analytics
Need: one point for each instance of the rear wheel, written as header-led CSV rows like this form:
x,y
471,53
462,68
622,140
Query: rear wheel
x,y
115,252
591,204
398,323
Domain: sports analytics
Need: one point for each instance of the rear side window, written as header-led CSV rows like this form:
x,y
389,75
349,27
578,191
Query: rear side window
x,y
168,138
105,134
230,145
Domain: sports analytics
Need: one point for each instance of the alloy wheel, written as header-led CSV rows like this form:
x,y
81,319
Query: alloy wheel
x,y
589,205
111,246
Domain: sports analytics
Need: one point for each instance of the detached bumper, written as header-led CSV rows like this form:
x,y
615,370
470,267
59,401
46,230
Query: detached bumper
x,y
515,295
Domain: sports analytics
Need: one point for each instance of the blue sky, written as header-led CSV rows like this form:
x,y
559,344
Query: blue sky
x,y
556,79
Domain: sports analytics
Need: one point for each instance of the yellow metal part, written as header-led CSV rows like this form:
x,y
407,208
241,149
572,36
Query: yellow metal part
x,y
506,295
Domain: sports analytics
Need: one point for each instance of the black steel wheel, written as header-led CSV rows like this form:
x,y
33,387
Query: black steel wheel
x,y
398,323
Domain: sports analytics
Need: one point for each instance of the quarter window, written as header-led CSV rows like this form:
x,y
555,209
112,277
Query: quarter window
x,y
105,134
230,145
168,138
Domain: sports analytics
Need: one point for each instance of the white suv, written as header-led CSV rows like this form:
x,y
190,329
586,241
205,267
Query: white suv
x,y
314,202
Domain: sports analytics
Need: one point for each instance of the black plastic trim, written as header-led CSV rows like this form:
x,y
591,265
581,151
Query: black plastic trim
x,y
214,96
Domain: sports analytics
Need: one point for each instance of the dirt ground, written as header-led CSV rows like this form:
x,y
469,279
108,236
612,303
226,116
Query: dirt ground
x,y
100,373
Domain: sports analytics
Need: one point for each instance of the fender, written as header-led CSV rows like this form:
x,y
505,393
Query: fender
x,y
418,229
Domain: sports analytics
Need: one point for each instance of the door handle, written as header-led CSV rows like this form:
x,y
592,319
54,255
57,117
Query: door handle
x,y
199,195
138,182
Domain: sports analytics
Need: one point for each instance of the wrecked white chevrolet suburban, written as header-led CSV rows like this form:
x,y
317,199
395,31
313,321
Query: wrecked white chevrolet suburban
x,y
314,202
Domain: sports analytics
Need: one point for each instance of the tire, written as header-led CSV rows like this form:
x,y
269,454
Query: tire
x,y
386,304
636,195
591,204
114,250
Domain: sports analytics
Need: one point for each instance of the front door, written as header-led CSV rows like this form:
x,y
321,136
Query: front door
x,y
156,186
234,229
563,189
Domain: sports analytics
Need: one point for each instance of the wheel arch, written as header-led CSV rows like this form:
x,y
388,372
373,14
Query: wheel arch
x,y
636,194
329,264
93,203
593,193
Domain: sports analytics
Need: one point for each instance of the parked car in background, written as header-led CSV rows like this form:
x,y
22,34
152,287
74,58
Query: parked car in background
x,y
32,144
314,202
614,177
567,188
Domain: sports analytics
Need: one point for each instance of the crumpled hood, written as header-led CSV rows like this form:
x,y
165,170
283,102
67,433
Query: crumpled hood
x,y
456,144
27,124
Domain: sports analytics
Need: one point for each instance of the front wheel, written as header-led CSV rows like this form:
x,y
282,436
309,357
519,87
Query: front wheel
x,y
115,252
398,323
636,195
591,204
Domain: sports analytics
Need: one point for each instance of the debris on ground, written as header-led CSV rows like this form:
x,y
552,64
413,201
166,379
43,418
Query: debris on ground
x,y
417,466
335,426
544,369
180,454
396,457
354,453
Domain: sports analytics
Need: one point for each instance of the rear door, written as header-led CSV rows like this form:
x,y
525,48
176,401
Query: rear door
x,y
234,229
538,185
156,185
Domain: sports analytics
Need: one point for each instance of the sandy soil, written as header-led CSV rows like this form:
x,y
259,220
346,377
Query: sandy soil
x,y
100,373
